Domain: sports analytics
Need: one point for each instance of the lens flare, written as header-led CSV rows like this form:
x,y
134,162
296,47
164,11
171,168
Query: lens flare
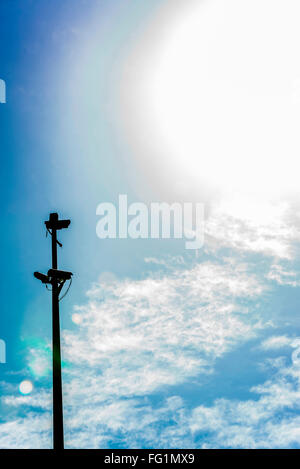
x,y
25,387
76,318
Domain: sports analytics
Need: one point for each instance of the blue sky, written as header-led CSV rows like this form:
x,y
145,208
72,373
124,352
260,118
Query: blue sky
x,y
159,101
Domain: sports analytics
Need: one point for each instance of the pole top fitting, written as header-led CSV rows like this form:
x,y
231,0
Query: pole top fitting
x,y
53,216
55,224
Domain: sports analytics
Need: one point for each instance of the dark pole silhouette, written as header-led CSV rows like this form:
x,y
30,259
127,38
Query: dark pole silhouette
x,y
57,279
58,418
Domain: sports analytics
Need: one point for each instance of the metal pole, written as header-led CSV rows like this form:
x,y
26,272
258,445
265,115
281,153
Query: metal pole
x,y
57,279
58,425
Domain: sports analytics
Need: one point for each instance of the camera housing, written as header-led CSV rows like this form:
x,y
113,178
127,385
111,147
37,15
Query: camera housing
x,y
43,278
59,275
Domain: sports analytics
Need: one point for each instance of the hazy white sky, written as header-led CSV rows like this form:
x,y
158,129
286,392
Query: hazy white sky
x,y
211,94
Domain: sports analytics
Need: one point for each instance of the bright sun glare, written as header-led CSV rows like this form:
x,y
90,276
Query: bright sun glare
x,y
219,91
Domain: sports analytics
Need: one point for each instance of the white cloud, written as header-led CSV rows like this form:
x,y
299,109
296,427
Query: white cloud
x,y
251,225
271,421
135,338
138,338
276,342
164,329
268,420
40,399
282,277
30,432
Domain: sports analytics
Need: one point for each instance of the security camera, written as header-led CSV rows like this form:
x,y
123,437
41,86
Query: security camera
x,y
59,275
43,278
55,224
